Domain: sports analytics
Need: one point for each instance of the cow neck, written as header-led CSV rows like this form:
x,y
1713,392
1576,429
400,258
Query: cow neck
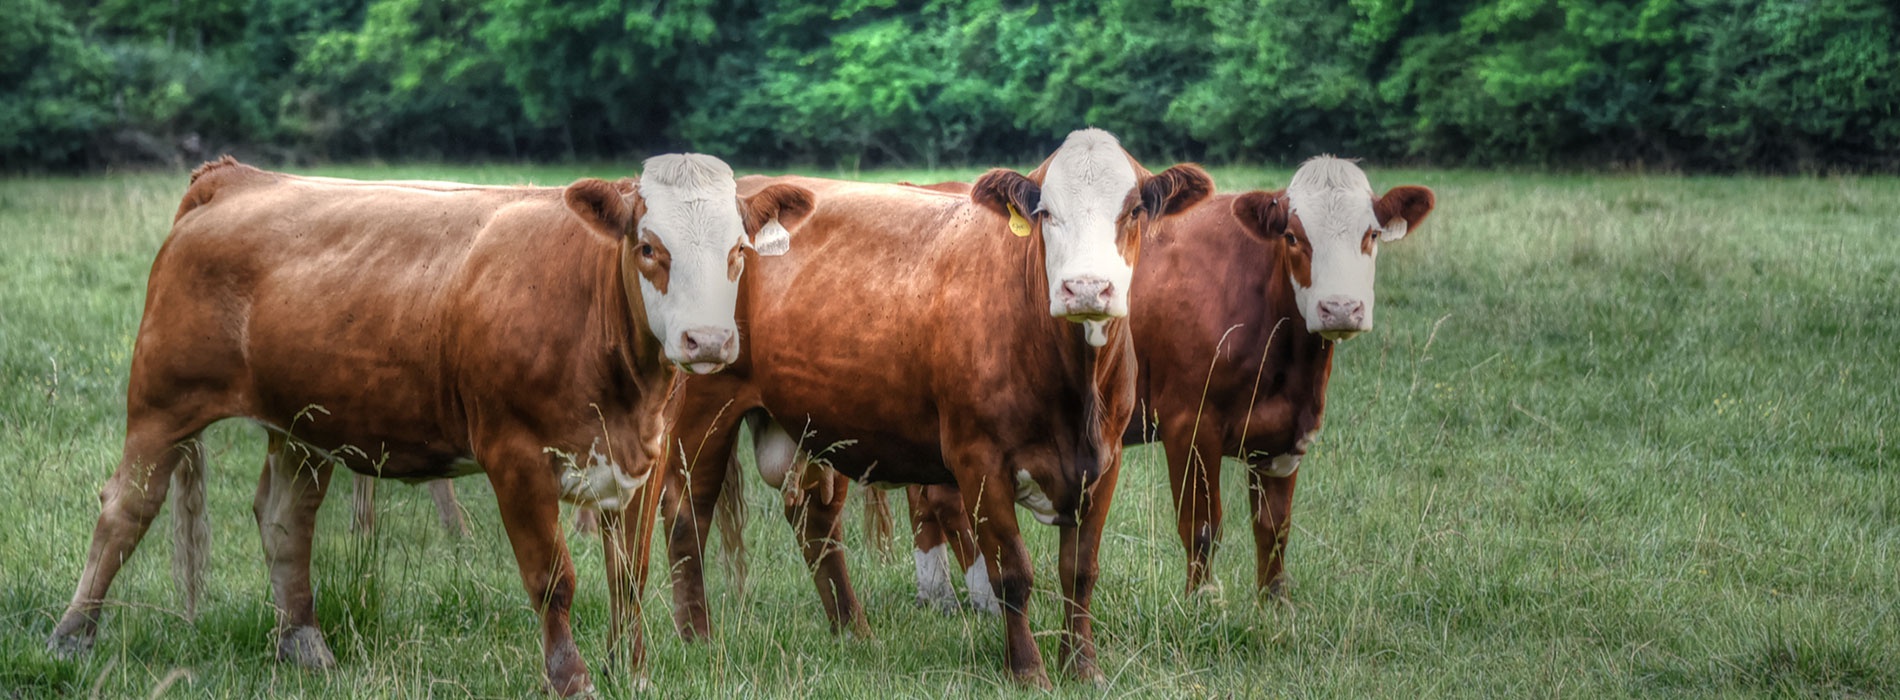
x,y
625,328
1298,361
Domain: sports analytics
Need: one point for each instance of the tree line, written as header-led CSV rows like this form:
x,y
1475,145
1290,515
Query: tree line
x,y
1716,85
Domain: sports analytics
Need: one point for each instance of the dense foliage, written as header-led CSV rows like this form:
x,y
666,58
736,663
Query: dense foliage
x,y
1696,84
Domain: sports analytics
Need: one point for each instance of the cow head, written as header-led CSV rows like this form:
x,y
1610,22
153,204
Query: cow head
x,y
1329,227
1089,202
683,230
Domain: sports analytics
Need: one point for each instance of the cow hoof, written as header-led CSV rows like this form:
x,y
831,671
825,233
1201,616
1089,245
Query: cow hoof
x,y
304,647
68,644
1084,670
945,605
1276,592
986,604
1033,678
1211,593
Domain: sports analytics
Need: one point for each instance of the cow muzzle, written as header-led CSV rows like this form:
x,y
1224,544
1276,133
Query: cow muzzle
x,y
1087,298
1342,317
707,350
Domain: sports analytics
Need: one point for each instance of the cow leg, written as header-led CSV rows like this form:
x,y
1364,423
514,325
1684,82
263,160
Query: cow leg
x,y
129,502
815,510
946,505
1194,464
1272,501
627,546
993,500
288,495
442,491
692,494
1081,547
362,500
529,496
928,545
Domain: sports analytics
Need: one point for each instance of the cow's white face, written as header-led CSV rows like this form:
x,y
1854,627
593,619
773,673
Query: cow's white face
x,y
686,236
1089,209
1085,194
1332,227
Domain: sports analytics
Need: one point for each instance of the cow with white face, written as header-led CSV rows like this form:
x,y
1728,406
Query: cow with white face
x,y
1333,226
970,335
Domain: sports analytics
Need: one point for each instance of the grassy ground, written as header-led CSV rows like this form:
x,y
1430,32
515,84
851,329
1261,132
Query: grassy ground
x,y
1614,436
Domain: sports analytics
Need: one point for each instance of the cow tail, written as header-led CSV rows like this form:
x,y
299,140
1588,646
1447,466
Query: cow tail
x,y
878,527
191,532
729,516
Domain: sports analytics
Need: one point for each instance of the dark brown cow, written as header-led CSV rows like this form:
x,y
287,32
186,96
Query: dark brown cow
x,y
1236,309
428,330
911,338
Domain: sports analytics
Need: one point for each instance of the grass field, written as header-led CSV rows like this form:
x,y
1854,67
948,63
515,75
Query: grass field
x,y
1615,436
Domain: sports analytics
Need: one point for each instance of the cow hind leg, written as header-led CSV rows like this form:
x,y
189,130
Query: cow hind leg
x,y
154,450
289,493
1272,500
928,549
816,511
946,507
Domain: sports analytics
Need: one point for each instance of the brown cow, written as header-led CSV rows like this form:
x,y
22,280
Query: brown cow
x,y
428,330
912,338
1237,307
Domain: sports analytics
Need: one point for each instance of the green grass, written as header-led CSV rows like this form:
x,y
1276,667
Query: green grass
x,y
1619,436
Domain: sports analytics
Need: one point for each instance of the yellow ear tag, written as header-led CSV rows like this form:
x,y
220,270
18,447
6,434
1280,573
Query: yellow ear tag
x,y
1017,224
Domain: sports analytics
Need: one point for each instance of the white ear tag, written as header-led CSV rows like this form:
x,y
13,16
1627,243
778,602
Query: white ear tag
x,y
1394,231
773,239
1097,332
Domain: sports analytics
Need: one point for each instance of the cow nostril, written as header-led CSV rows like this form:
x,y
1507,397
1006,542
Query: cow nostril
x,y
689,342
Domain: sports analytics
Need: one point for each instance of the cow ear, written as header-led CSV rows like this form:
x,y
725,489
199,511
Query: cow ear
x,y
1262,213
1001,189
1176,190
1403,209
771,213
602,205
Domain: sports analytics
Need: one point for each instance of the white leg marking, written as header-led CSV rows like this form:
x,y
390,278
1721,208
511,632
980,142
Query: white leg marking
x,y
977,580
933,580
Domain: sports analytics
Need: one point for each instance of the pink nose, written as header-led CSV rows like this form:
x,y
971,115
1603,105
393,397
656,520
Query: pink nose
x,y
1342,313
1086,296
708,345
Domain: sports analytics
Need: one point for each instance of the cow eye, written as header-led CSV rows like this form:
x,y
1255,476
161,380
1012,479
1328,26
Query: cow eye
x,y
646,250
1291,239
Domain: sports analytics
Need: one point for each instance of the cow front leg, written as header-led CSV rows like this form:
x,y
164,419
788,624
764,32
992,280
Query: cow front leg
x,y
816,509
946,507
129,502
529,496
691,496
1194,463
993,500
1081,548
288,495
1271,498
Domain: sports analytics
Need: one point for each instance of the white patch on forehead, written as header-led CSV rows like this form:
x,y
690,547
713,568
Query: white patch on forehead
x,y
1089,176
692,204
1332,198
